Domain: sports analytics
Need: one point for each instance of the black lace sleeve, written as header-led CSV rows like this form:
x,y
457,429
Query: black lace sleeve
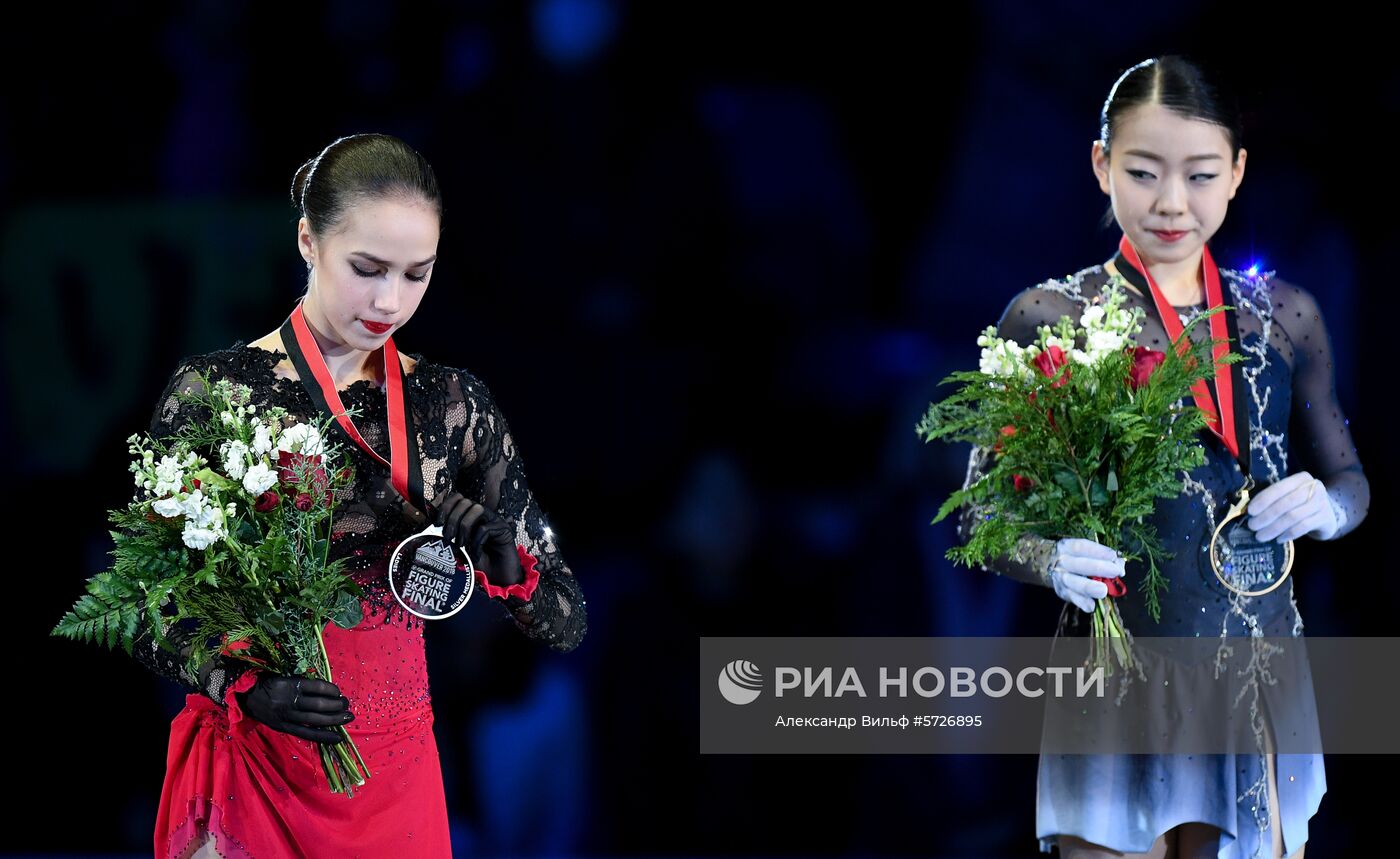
x,y
1024,314
493,472
217,674
1323,438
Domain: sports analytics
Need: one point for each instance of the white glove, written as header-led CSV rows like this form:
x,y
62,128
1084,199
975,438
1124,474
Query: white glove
x,y
1294,508
1073,560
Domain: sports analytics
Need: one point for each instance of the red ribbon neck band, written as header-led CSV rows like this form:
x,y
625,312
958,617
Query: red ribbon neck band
x,y
1220,421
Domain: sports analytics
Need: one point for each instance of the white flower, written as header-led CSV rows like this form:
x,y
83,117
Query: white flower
x,y
199,538
204,523
262,440
1000,357
169,507
1005,358
1093,316
211,517
300,438
259,479
169,476
1065,344
234,455
1103,343
195,503
1027,371
1121,321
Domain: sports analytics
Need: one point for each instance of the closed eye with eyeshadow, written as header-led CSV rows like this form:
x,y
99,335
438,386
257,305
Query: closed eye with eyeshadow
x,y
363,273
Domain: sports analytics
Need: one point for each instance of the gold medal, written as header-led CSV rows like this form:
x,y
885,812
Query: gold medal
x,y
1243,563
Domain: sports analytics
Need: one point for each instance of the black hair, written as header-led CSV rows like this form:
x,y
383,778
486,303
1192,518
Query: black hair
x,y
361,167
1189,87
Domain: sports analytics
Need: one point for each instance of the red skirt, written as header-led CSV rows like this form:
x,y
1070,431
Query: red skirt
x,y
263,794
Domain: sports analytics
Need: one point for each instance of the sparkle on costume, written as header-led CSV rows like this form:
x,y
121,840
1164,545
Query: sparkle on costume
x,y
1286,349
466,445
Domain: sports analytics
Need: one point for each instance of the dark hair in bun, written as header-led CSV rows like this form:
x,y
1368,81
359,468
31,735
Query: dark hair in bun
x,y
357,168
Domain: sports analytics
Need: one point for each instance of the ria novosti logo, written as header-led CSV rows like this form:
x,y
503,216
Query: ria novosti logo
x,y
740,682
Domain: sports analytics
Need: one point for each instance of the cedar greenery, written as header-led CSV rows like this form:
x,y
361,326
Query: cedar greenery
x,y
263,592
1098,452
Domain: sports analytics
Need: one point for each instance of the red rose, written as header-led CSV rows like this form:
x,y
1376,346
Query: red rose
x,y
267,501
1144,362
1116,588
239,644
231,646
288,463
1022,484
1050,361
1009,429
303,501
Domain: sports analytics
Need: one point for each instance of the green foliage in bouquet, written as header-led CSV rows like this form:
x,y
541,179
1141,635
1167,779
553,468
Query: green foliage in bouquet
x,y
1085,432
230,527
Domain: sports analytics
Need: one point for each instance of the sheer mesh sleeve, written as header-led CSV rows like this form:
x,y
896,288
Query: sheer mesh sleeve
x,y
216,675
1322,438
1029,562
493,473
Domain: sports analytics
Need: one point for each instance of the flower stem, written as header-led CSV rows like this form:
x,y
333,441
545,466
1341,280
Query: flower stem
x,y
339,762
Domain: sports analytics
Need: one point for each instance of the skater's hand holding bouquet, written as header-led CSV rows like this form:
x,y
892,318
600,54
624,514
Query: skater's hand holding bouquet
x,y
1084,430
231,527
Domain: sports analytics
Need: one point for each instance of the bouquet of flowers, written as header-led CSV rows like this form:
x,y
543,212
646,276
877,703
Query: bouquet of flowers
x,y
230,527
1085,431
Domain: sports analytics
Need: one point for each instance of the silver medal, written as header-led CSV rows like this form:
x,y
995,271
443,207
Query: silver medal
x,y
431,577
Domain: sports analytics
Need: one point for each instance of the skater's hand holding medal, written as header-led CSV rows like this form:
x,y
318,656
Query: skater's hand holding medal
x,y
489,539
1243,561
1293,508
433,573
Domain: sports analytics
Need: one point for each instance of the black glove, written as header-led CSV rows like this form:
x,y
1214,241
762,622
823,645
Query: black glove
x,y
300,706
488,539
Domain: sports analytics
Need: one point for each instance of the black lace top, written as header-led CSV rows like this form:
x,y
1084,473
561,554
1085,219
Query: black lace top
x,y
465,445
